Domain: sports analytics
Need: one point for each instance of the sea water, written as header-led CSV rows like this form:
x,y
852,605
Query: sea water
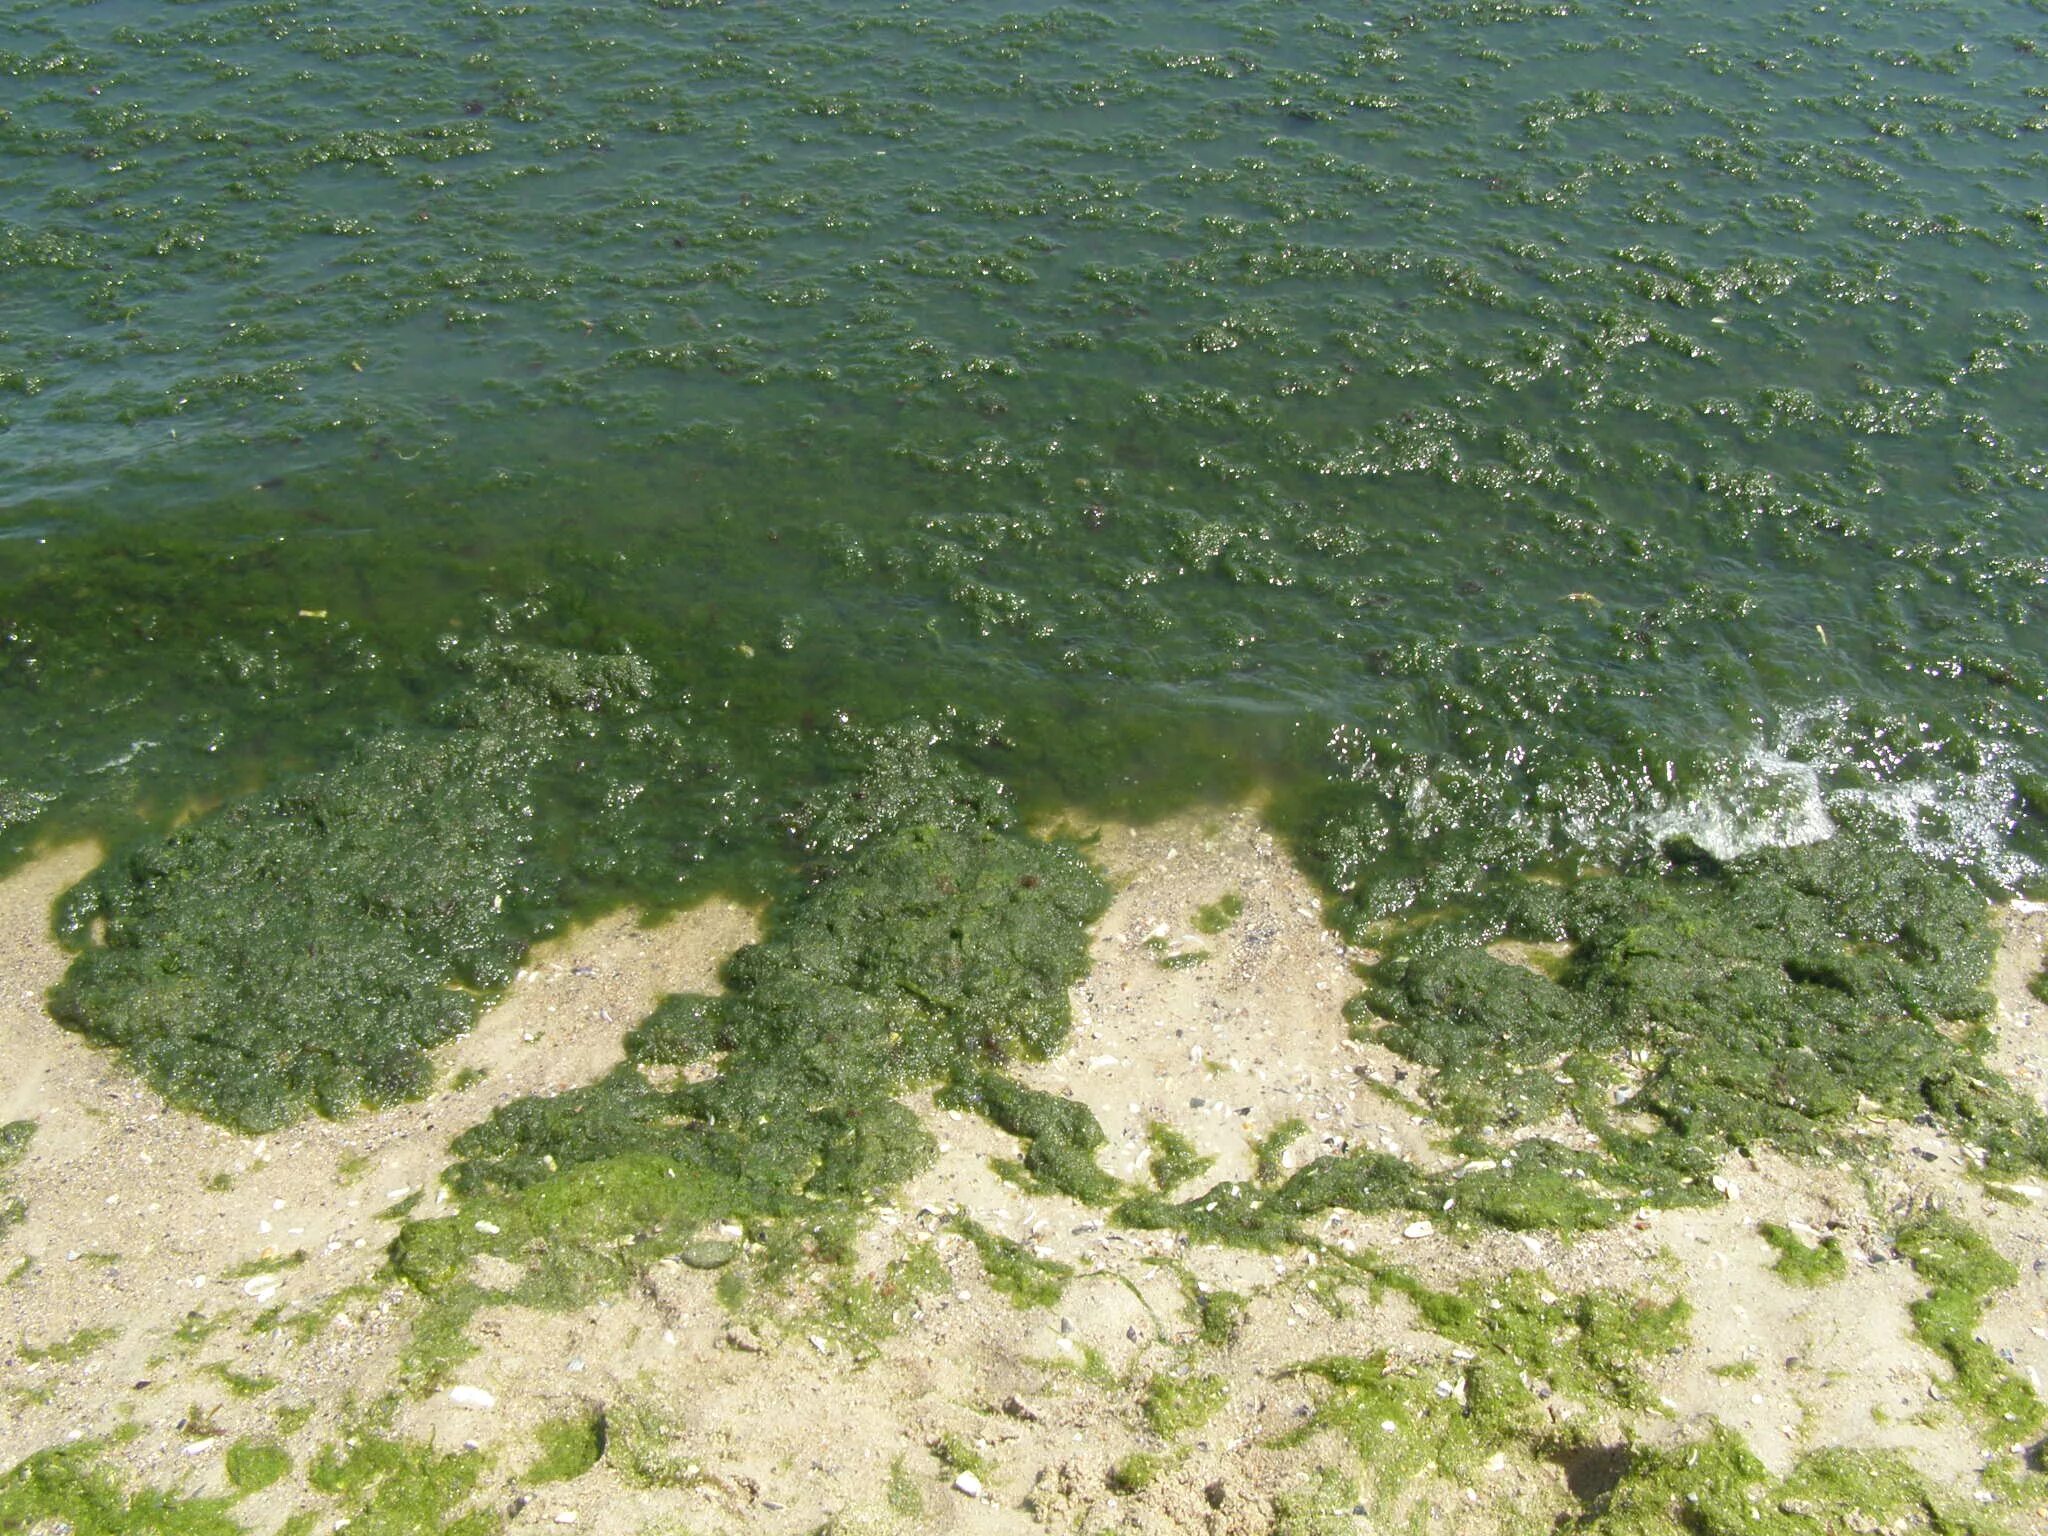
x,y
1502,435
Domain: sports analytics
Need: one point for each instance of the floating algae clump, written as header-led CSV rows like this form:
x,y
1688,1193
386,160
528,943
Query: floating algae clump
x,y
935,941
1768,1001
305,947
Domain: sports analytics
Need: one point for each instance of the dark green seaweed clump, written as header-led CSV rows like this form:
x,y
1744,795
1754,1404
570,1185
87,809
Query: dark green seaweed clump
x,y
1704,1007
936,941
304,948
1768,1001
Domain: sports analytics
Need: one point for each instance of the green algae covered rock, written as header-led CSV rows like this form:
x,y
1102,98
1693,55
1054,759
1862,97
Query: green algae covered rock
x,y
305,947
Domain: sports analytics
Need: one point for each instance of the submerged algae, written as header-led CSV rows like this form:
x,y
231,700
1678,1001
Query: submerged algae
x,y
935,941
303,949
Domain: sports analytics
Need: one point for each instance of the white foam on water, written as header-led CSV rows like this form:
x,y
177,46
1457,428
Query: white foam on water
x,y
1787,792
1773,801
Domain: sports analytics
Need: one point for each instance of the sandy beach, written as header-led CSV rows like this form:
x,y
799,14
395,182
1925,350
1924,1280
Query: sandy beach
x,y
175,1289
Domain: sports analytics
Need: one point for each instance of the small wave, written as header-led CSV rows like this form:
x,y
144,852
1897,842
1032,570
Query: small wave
x,y
1813,777
1773,801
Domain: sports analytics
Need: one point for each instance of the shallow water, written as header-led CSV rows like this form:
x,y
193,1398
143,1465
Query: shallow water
x,y
1507,434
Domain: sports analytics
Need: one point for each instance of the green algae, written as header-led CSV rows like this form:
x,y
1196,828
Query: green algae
x,y
390,1486
1517,1344
1704,1007
641,1432
253,1465
1219,914
569,1446
78,1345
1538,1185
1322,1506
14,1139
1174,1158
1802,1263
1061,1135
1177,1404
904,1494
1168,958
64,1489
241,1383
933,942
1269,1150
1219,1315
1013,1269
859,1312
1137,1472
1717,1487
1964,1272
305,948
956,1453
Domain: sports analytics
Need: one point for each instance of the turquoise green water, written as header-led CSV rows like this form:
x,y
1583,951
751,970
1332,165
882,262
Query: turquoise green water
x,y
1505,434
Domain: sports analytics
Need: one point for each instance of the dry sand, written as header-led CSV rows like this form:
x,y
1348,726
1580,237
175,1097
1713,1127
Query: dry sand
x,y
139,1216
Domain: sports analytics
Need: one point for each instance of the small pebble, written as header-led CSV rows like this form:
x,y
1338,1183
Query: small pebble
x,y
1418,1229
471,1397
968,1484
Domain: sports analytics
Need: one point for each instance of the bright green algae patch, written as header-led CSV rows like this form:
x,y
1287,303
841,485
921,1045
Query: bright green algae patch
x,y
388,1486
1964,1272
1802,1263
935,942
1717,1487
303,949
1519,1345
569,1447
66,1489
